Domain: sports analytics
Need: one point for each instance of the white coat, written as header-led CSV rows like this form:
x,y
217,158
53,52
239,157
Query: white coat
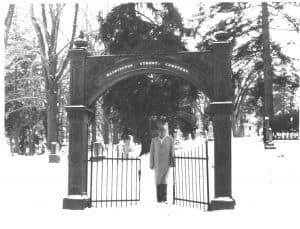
x,y
161,158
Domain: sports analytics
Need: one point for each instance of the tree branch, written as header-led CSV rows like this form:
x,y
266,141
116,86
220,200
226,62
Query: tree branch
x,y
26,97
38,78
243,90
53,25
59,10
293,21
44,23
38,31
66,60
63,48
21,108
149,19
41,42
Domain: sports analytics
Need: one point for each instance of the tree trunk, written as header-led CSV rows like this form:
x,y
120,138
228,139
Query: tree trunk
x,y
16,142
31,142
144,135
105,128
8,21
22,141
94,130
267,68
236,130
237,127
47,39
52,113
11,146
258,127
31,136
115,131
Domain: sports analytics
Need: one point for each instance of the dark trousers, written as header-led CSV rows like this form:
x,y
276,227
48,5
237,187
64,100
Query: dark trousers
x,y
161,192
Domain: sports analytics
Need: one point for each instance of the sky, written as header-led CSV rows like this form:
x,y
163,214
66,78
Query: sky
x,y
90,10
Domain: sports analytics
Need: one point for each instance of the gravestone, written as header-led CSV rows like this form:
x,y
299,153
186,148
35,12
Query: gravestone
x,y
54,156
210,133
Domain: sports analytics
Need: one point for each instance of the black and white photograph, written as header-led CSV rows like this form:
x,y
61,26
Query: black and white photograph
x,y
150,114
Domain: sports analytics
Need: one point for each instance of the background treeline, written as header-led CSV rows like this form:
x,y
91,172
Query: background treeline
x,y
37,39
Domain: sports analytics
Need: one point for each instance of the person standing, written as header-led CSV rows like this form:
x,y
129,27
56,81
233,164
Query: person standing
x,y
161,159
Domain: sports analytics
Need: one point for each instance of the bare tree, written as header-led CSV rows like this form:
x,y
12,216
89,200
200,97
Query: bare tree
x,y
8,21
53,61
267,68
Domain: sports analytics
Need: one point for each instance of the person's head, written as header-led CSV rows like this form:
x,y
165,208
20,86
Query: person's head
x,y
162,129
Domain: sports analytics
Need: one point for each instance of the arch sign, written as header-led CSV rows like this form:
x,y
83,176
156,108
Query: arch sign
x,y
210,71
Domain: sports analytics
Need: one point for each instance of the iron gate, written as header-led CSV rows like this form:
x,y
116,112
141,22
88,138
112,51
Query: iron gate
x,y
115,179
191,177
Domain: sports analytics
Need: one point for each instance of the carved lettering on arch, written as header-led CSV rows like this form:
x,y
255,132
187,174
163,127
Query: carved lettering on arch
x,y
120,69
147,64
177,67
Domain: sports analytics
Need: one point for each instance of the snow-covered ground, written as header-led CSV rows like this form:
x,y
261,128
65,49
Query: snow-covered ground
x,y
266,187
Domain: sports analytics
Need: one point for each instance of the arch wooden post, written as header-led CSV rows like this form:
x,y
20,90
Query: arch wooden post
x,y
221,109
78,115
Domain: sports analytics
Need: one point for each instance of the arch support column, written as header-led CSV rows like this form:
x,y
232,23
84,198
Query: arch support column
x,y
221,109
222,156
78,115
77,158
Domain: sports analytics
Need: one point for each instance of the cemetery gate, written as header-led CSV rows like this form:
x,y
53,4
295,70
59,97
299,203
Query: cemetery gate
x,y
91,76
115,179
191,177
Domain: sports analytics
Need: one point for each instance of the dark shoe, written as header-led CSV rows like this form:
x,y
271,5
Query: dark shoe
x,y
164,192
159,193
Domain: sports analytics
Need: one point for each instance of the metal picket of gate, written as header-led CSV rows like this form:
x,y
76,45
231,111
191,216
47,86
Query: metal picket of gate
x,y
191,178
115,179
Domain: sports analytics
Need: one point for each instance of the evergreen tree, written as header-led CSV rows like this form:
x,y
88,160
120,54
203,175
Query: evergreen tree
x,y
133,102
243,23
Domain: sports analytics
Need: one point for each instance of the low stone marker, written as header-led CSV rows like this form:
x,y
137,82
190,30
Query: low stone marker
x,y
54,156
269,144
210,136
98,149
